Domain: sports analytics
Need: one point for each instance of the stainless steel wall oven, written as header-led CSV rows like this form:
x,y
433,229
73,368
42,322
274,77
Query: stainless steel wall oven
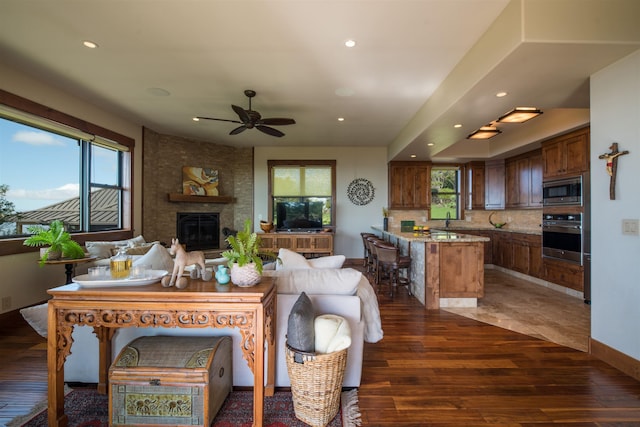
x,y
562,237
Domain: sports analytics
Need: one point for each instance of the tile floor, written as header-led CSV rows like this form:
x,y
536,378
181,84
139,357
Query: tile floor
x,y
531,309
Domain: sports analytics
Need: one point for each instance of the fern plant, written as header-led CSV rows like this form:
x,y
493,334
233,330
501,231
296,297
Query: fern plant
x,y
56,238
245,248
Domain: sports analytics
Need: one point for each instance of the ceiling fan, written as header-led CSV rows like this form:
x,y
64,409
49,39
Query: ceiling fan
x,y
250,119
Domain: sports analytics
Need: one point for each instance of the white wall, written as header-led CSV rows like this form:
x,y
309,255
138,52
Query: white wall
x,y
351,162
615,117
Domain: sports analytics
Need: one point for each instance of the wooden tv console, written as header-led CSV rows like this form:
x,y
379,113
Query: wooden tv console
x,y
310,245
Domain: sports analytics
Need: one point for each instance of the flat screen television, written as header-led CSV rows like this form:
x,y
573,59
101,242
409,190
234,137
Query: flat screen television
x,y
299,216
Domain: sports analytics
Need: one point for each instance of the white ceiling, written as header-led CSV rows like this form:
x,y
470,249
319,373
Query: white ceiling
x,y
418,67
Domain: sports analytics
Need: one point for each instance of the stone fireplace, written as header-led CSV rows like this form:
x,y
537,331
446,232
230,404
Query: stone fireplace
x,y
198,230
163,159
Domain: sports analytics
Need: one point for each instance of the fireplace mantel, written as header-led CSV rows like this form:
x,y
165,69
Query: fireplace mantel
x,y
181,198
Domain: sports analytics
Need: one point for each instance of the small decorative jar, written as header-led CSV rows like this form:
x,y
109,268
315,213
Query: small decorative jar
x,y
222,275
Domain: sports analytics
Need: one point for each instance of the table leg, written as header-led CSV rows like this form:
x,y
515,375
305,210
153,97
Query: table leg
x,y
56,415
258,374
104,342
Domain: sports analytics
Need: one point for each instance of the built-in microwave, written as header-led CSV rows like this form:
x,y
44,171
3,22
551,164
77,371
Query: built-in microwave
x,y
562,192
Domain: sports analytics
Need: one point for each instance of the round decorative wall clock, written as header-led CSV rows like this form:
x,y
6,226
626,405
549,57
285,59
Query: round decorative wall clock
x,y
361,191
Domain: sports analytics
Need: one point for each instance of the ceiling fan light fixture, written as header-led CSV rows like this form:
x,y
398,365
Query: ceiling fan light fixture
x,y
485,132
519,115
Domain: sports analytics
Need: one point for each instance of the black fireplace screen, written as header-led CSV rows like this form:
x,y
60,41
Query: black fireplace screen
x,y
199,231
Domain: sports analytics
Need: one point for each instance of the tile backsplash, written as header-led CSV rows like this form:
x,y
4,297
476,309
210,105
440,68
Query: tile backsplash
x,y
528,220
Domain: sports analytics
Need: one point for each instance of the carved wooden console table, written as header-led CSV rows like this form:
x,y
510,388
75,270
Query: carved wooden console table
x,y
200,305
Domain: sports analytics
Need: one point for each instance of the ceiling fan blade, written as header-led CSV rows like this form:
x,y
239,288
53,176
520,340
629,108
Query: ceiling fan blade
x,y
220,120
270,131
277,121
244,116
238,130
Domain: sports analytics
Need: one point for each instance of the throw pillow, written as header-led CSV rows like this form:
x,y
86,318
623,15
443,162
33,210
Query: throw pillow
x,y
333,261
158,258
102,249
290,260
37,317
300,326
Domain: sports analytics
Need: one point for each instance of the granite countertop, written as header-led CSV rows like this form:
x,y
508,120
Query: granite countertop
x,y
462,229
435,236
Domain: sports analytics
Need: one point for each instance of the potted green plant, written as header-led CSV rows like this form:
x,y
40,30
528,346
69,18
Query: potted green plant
x,y
243,257
56,240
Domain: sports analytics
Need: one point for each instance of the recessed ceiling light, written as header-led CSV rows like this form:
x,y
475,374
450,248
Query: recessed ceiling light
x,y
413,156
195,119
341,119
501,94
431,144
90,44
350,43
457,125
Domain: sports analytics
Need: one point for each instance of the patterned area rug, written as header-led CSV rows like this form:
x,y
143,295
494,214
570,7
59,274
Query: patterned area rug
x,y
87,408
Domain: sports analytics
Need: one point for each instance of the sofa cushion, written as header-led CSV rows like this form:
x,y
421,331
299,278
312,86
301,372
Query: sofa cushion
x,y
315,281
332,261
300,325
290,260
158,258
102,249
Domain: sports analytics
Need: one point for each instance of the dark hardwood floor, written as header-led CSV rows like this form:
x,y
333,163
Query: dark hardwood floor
x,y
433,368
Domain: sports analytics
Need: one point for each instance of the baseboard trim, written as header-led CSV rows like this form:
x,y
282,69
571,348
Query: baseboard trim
x,y
615,358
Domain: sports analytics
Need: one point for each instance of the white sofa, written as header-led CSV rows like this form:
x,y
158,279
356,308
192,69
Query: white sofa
x,y
344,292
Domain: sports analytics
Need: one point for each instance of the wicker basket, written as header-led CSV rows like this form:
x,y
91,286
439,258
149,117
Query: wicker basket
x,y
316,384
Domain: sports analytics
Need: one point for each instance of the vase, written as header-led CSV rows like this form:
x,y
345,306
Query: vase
x,y
245,276
222,275
385,224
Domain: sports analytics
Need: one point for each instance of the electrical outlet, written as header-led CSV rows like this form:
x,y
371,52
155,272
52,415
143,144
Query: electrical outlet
x,y
630,227
6,303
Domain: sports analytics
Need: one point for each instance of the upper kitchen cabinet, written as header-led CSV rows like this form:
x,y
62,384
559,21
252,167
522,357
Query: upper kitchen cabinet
x,y
409,185
523,181
566,154
475,185
494,171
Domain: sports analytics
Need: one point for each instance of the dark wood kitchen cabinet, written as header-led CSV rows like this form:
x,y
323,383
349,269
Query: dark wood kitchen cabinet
x,y
563,273
409,185
523,181
527,254
502,249
488,245
566,155
494,184
475,185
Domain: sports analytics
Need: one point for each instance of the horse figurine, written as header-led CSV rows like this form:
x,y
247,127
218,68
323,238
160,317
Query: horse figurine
x,y
183,259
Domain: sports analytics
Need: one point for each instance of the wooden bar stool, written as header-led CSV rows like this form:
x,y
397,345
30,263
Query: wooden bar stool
x,y
364,236
390,261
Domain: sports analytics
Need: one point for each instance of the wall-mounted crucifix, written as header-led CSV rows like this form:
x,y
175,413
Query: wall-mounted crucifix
x,y
612,167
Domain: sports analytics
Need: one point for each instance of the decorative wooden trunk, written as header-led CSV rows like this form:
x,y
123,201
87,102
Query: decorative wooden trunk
x,y
177,381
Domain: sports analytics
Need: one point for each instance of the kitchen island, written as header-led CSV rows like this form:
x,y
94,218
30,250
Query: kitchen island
x,y
447,268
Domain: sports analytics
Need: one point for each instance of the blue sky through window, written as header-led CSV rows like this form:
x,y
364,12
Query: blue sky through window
x,y
42,168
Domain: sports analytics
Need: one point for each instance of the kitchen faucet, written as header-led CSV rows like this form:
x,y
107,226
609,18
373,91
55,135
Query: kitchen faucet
x,y
448,220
